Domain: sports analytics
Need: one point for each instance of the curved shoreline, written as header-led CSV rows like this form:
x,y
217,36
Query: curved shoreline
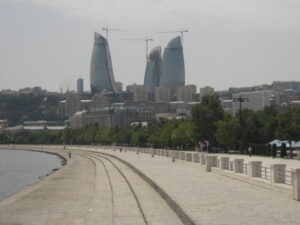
x,y
32,186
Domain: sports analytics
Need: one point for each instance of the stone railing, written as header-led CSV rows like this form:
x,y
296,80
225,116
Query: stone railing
x,y
276,176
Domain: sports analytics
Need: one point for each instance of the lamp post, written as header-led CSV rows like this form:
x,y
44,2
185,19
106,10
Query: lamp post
x,y
241,100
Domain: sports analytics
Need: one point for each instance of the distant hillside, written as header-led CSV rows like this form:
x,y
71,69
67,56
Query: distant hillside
x,y
19,108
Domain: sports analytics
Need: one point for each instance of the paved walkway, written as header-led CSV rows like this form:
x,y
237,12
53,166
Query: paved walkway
x,y
98,189
89,190
213,199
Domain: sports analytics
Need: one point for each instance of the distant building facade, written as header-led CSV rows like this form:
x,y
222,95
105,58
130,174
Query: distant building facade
x,y
101,70
140,92
119,86
281,86
186,93
112,117
153,69
100,101
255,100
71,105
206,91
162,94
80,86
173,69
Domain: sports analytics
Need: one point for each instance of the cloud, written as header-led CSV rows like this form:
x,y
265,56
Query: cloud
x,y
278,13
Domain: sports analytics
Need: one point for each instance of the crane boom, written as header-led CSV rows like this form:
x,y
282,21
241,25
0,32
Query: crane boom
x,y
181,31
110,29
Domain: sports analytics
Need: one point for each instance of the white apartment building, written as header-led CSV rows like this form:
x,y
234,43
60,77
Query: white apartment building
x,y
254,100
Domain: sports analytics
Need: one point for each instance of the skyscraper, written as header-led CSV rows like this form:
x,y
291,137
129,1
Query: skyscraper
x,y
173,72
153,69
80,86
101,71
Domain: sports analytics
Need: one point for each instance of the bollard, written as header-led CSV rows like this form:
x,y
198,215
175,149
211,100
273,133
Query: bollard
x,y
211,161
238,165
278,173
224,163
167,153
196,158
296,184
202,159
173,156
182,155
176,153
152,154
255,168
188,156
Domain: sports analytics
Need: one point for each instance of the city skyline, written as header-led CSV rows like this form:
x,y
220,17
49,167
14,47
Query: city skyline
x,y
228,45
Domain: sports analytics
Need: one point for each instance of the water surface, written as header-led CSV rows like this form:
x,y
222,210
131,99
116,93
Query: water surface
x,y
19,169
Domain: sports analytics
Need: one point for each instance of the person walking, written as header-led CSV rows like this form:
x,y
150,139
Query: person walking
x,y
250,151
69,155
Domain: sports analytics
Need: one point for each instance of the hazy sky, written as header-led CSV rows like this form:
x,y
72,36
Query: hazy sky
x,y
48,43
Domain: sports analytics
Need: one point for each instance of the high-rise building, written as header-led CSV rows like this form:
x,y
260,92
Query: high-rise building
x,y
80,86
186,93
153,69
101,71
173,71
140,92
206,91
162,94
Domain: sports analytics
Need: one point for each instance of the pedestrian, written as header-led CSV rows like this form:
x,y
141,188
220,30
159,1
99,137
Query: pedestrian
x,y
250,151
69,155
120,149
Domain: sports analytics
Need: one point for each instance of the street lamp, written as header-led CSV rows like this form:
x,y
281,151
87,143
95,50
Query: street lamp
x,y
241,100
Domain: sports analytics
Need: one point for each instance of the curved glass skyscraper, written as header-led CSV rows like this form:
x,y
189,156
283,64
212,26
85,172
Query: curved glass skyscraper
x,y
101,71
153,69
173,72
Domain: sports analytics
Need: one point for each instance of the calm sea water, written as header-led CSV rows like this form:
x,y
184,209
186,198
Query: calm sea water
x,y
19,169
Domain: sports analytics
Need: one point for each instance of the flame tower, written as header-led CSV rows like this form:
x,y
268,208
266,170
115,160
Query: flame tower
x,y
101,71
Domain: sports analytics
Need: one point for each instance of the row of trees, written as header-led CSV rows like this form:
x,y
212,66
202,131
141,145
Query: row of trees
x,y
208,122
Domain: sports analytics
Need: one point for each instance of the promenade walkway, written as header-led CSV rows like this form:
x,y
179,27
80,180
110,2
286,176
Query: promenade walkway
x,y
89,190
210,198
95,187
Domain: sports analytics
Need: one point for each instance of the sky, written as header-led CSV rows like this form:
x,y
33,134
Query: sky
x,y
230,43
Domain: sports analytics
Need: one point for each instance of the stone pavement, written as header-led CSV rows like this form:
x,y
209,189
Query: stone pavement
x,y
96,189
88,190
62,198
210,198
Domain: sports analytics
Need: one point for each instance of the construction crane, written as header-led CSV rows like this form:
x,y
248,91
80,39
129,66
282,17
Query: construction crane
x,y
141,39
181,31
110,29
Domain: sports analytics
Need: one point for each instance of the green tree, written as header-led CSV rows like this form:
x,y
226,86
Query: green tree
x,y
289,126
204,118
228,131
183,135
